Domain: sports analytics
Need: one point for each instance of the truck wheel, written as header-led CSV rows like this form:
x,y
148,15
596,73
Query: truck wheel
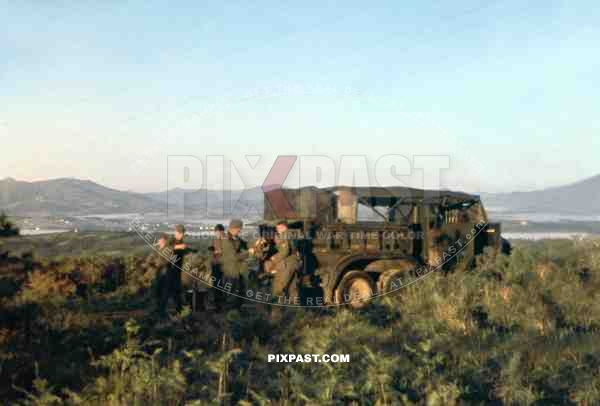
x,y
355,289
390,281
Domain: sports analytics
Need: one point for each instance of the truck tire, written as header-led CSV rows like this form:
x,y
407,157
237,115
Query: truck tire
x,y
355,290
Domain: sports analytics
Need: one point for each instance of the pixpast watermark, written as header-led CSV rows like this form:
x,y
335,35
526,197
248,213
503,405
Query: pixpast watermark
x,y
448,252
301,358
211,187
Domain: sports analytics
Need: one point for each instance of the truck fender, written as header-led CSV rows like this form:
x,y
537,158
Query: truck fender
x,y
400,264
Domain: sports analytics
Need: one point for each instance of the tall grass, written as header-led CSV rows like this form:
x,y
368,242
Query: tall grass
x,y
515,330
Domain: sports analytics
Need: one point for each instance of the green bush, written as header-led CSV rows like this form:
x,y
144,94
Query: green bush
x,y
515,330
7,229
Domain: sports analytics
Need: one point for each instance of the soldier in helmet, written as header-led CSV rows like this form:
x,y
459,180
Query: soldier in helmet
x,y
234,253
284,265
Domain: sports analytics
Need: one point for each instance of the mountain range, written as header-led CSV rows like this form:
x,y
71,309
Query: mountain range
x,y
580,198
76,197
68,196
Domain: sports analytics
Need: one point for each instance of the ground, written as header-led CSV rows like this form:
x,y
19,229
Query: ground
x,y
516,330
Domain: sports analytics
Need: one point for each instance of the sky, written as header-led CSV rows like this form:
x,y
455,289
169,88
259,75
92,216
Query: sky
x,y
508,90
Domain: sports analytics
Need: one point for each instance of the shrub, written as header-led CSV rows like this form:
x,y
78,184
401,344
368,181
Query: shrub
x,y
7,229
516,330
134,377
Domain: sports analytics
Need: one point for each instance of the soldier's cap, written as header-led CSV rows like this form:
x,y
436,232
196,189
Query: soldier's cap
x,y
236,223
180,228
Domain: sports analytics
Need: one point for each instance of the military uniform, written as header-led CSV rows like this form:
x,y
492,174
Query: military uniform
x,y
234,253
285,263
169,277
215,266
168,280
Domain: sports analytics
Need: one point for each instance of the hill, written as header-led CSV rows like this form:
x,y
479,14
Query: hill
x,y
72,197
519,330
69,196
76,197
580,198
235,203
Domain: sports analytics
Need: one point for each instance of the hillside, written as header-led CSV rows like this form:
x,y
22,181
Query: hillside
x,y
72,197
196,202
69,196
75,197
520,330
580,198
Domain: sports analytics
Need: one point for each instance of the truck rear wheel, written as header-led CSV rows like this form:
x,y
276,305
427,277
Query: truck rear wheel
x,y
355,290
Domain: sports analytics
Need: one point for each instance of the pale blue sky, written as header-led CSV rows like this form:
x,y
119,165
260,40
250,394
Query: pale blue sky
x,y
510,90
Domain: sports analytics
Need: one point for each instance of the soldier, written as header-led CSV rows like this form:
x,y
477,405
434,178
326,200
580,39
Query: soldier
x,y
179,245
216,250
169,285
163,274
180,250
234,253
284,265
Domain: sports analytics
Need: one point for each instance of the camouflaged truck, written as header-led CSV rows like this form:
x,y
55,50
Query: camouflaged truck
x,y
360,242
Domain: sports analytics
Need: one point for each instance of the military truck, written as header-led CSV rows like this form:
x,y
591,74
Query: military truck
x,y
359,242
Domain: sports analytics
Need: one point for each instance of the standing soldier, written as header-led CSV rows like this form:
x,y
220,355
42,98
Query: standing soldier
x,y
169,285
163,263
234,253
284,265
216,251
180,250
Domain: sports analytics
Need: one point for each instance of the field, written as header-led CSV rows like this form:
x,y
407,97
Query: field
x,y
519,330
82,244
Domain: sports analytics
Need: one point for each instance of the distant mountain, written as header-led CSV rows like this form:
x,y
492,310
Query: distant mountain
x,y
72,197
580,198
75,197
236,203
69,196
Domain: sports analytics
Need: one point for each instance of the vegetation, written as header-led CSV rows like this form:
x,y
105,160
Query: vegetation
x,y
517,330
7,229
83,244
